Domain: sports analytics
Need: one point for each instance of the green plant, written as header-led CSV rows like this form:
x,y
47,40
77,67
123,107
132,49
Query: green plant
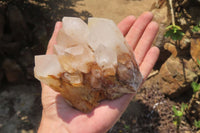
x,y
126,127
197,124
195,86
196,28
178,114
174,32
198,61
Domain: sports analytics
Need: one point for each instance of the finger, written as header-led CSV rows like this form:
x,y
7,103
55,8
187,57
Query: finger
x,y
138,28
52,41
149,61
126,24
146,41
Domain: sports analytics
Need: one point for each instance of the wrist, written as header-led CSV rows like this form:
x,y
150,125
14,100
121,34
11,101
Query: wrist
x,y
49,125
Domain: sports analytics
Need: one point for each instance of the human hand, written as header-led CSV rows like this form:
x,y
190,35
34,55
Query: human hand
x,y
59,117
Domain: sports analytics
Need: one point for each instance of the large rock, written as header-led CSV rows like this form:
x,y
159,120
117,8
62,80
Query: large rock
x,y
195,49
163,17
13,71
175,76
26,57
17,24
171,48
161,13
40,32
2,24
26,60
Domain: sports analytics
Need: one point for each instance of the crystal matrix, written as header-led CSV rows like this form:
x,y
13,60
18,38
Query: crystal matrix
x,y
90,63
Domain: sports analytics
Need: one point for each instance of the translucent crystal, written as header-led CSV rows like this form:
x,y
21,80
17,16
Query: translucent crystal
x,y
91,63
106,58
47,65
104,32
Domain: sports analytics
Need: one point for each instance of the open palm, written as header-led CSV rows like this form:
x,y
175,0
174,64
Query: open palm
x,y
59,117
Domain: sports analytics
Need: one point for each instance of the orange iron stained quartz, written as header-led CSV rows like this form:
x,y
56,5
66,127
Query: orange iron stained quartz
x,y
91,62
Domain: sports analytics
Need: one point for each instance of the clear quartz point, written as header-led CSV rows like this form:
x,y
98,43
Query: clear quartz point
x,y
91,62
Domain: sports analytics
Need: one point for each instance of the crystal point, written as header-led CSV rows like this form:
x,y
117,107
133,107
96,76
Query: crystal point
x,y
90,63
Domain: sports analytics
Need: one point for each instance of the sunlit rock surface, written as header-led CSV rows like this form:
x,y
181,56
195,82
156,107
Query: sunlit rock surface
x,y
90,63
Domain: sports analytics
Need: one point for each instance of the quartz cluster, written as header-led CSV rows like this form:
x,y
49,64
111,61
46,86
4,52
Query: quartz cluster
x,y
91,62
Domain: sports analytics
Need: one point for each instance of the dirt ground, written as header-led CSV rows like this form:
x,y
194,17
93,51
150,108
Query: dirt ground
x,y
114,9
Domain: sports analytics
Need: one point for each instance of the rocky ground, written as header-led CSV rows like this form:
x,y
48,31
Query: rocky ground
x,y
26,26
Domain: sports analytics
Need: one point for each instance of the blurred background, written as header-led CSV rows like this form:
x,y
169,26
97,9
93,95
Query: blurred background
x,y
26,27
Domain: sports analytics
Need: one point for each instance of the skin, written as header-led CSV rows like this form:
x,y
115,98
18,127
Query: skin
x,y
59,117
